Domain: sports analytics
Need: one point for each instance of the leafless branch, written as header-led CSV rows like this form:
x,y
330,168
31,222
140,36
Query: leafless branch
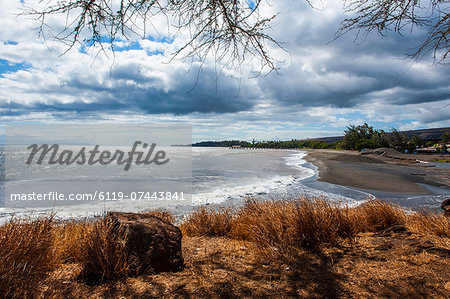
x,y
383,16
232,29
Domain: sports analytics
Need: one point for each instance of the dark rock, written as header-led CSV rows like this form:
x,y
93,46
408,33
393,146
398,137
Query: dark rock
x,y
390,154
154,245
446,205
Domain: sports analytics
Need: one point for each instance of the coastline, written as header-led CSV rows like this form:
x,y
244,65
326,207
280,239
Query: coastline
x,y
377,172
339,174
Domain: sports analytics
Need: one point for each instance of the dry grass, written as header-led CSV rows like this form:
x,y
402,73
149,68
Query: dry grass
x,y
206,222
297,224
30,250
283,232
430,225
104,256
221,267
26,256
70,238
281,228
376,215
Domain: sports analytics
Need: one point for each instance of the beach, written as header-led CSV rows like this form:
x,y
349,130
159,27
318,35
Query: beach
x,y
392,173
223,177
308,247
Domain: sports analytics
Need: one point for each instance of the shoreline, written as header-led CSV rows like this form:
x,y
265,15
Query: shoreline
x,y
368,175
377,173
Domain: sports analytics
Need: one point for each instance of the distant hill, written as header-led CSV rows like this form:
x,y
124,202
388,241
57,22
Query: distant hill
x,y
426,134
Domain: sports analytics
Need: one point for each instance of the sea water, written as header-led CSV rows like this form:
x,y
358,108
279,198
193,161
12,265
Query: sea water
x,y
225,177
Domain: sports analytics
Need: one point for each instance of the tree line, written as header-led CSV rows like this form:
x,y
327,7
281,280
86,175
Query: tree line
x,y
366,137
355,138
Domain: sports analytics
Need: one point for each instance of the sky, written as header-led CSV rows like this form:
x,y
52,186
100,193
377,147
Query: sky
x,y
321,87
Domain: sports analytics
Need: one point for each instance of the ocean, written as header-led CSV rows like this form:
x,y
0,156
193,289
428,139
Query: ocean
x,y
220,177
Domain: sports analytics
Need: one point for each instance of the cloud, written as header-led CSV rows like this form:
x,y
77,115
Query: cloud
x,y
321,86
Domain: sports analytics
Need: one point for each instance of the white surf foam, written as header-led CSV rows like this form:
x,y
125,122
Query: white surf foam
x,y
266,186
224,193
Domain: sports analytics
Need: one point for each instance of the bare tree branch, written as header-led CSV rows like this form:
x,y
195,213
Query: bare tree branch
x,y
400,15
232,29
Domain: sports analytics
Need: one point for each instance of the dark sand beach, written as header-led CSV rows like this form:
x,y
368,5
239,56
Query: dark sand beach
x,y
385,172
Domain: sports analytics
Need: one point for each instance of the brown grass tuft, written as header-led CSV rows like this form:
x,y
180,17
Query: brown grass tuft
x,y
163,215
428,223
70,239
26,256
207,222
378,215
284,227
105,254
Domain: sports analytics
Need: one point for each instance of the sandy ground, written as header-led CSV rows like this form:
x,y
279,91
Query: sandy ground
x,y
376,172
401,265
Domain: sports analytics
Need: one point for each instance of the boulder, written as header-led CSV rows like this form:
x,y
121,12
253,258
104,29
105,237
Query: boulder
x,y
153,244
446,206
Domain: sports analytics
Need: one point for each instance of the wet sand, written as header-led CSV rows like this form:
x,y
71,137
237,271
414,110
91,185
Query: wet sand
x,y
376,172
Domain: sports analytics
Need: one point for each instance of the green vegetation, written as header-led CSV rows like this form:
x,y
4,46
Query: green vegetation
x,y
310,143
364,136
355,138
445,137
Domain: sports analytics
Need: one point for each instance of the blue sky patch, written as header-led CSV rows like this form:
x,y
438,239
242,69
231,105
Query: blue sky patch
x,y
164,39
10,42
9,67
251,4
128,47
